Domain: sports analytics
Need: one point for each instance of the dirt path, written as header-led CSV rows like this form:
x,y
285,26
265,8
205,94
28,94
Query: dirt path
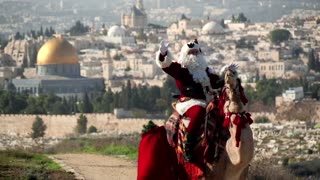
x,y
97,167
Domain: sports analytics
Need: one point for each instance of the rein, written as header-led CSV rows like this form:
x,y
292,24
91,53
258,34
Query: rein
x,y
233,90
241,118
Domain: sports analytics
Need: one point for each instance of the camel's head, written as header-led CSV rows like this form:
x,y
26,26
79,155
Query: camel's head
x,y
231,75
233,89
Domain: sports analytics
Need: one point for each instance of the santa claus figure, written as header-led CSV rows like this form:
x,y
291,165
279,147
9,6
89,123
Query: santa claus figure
x,y
195,81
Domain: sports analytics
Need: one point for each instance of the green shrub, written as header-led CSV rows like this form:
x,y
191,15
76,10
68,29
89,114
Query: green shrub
x,y
279,35
92,129
285,161
81,127
148,126
38,128
261,119
306,168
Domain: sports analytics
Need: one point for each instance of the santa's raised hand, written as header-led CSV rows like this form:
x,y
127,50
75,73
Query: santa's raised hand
x,y
164,47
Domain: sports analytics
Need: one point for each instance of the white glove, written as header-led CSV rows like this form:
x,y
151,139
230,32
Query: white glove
x,y
163,47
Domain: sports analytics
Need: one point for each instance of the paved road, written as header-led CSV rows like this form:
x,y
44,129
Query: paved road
x,y
97,167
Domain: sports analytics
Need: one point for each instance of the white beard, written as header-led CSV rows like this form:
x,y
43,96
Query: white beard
x,y
197,66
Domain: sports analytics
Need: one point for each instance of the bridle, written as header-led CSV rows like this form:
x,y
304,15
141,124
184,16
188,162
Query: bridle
x,y
232,90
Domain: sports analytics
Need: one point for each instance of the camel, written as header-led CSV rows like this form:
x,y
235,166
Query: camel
x,y
236,155
239,149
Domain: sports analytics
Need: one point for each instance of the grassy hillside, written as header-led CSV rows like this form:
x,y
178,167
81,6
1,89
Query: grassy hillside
x,y
119,146
18,164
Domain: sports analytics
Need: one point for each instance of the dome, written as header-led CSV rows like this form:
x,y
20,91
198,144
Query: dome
x,y
116,31
57,51
212,28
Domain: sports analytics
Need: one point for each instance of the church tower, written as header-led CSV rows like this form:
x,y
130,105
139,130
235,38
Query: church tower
x,y
139,5
136,18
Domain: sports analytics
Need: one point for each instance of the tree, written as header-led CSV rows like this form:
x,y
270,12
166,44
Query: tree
x,y
128,96
222,23
184,17
233,19
241,18
156,26
311,60
160,104
261,119
40,32
296,51
3,43
35,106
17,36
279,35
47,32
78,29
81,127
33,56
285,161
86,106
51,31
38,128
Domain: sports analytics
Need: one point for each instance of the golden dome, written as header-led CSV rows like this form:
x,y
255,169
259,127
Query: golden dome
x,y
57,50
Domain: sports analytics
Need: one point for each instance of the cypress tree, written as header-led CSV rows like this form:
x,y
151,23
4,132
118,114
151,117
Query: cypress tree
x,y
81,127
311,60
38,128
86,106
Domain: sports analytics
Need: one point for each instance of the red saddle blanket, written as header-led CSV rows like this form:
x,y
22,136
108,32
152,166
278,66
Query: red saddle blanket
x,y
157,160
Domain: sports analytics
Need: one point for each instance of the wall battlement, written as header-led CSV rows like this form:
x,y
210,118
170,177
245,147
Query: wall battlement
x,y
59,126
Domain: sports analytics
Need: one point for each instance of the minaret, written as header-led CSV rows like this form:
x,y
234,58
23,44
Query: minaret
x,y
158,4
61,4
107,67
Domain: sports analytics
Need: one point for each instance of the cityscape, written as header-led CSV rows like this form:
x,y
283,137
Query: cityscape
x,y
57,57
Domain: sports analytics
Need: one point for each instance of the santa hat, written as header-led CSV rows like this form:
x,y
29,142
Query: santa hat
x,y
191,47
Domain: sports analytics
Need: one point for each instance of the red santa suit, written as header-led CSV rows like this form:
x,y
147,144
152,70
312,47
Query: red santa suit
x,y
192,100
194,84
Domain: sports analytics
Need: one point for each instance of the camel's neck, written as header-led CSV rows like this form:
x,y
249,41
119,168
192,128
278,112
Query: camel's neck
x,y
233,102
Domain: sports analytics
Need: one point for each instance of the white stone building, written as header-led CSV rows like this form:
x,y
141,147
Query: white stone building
x,y
293,94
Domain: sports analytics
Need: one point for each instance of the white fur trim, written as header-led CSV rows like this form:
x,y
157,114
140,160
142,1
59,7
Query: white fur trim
x,y
185,122
167,60
182,107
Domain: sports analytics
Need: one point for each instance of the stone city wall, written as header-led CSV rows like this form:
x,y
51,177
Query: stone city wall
x,y
59,126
